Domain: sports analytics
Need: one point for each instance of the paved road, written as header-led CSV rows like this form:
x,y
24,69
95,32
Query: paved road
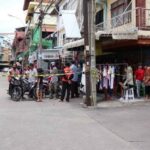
x,y
52,125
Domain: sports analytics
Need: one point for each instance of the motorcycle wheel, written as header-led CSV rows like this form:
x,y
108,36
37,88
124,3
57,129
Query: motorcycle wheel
x,y
16,93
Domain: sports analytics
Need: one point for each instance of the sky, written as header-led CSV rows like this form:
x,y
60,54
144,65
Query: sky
x,y
15,8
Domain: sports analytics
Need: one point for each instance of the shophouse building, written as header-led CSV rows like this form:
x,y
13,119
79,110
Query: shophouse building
x,y
122,27
5,51
35,9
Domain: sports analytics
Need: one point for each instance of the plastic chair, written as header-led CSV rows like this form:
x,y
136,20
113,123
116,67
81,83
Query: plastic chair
x,y
129,94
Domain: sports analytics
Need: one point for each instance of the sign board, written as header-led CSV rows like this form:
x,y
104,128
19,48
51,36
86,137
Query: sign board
x,y
125,35
50,55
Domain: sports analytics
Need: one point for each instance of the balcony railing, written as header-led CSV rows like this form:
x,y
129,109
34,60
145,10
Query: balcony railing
x,y
138,18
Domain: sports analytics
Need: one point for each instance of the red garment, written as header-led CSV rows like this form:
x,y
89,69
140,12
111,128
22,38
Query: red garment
x,y
139,74
68,74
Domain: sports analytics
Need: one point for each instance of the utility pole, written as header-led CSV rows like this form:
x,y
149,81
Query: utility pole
x,y
92,12
39,52
87,53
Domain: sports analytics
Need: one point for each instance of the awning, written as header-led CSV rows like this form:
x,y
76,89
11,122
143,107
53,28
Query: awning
x,y
74,44
100,33
70,24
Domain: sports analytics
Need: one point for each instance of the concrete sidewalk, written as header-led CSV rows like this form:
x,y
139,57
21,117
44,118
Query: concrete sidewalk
x,y
124,103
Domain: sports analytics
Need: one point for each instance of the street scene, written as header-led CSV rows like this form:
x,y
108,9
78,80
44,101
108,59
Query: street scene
x,y
75,75
68,126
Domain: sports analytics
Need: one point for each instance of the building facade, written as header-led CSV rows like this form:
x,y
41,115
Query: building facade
x,y
124,26
121,26
5,51
62,38
19,45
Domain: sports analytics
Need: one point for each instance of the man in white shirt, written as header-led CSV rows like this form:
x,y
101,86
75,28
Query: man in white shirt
x,y
32,77
32,74
53,81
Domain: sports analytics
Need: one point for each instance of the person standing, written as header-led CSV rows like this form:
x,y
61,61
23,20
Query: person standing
x,y
146,81
53,81
32,74
139,75
128,83
66,83
32,77
74,81
14,72
39,90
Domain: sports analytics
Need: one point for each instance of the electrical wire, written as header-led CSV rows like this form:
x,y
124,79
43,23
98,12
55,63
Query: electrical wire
x,y
45,12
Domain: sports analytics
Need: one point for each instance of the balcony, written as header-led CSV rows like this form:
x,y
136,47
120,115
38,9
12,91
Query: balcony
x,y
129,21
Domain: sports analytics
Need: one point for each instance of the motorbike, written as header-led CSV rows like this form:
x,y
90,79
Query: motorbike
x,y
15,90
46,88
28,88
18,87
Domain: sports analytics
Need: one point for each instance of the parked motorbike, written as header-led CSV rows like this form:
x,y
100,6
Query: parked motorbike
x,y
28,88
15,90
46,88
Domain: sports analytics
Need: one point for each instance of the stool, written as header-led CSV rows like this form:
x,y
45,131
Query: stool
x,y
129,94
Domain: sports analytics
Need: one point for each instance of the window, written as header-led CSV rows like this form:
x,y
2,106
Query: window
x,y
117,10
99,17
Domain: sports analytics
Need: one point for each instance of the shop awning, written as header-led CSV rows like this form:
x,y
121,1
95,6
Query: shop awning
x,y
74,44
98,34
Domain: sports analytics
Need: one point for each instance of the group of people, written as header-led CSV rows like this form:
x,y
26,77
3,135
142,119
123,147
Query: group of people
x,y
68,77
138,79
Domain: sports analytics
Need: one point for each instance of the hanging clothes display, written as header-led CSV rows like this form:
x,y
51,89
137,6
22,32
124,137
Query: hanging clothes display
x,y
110,76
